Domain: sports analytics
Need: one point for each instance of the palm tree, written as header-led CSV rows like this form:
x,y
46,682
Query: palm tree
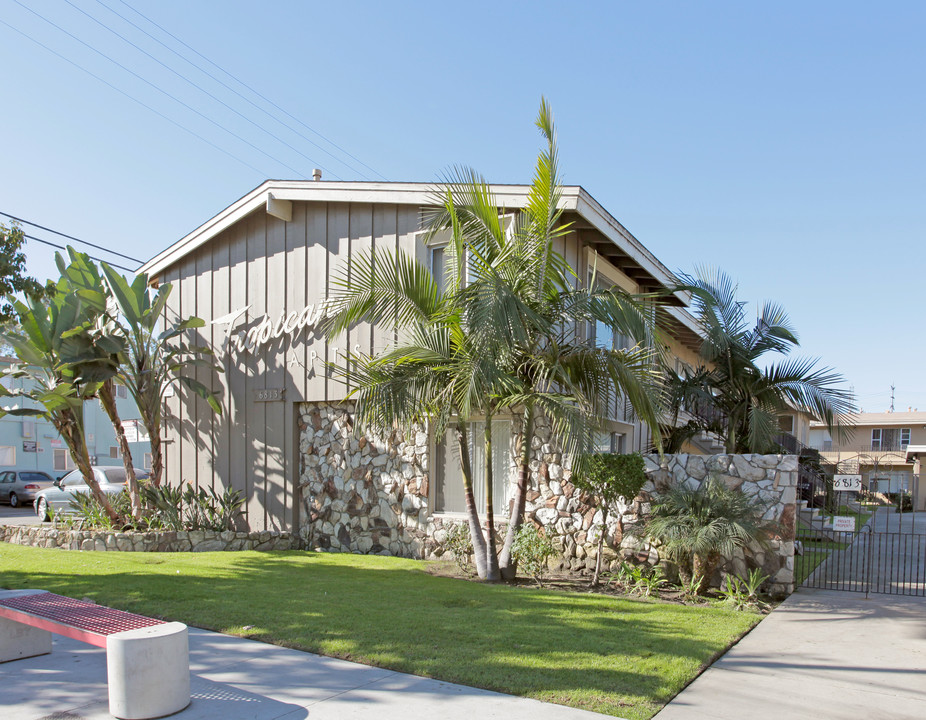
x,y
503,334
698,527
749,398
521,301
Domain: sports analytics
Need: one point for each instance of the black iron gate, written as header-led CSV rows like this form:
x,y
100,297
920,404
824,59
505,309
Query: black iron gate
x,y
870,560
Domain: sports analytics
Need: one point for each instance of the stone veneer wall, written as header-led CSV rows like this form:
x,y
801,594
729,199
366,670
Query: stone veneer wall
x,y
771,478
368,493
162,541
362,492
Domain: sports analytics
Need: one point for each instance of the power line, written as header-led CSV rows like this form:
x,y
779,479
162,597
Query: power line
x,y
198,87
62,247
233,90
134,99
70,237
258,94
164,92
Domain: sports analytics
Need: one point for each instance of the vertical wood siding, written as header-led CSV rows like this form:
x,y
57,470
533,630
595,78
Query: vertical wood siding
x,y
277,267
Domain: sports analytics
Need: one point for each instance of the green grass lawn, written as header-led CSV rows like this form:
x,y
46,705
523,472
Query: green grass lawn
x,y
616,656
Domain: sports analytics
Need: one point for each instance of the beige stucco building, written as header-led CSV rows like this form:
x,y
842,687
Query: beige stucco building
x,y
877,449
259,274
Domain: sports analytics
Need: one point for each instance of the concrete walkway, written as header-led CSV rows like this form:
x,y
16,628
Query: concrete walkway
x,y
821,655
235,679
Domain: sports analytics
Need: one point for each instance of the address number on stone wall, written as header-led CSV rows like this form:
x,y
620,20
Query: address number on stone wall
x,y
268,395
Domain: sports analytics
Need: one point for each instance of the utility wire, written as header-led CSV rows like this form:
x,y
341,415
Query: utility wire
x,y
148,82
236,92
61,247
199,87
245,85
70,237
134,99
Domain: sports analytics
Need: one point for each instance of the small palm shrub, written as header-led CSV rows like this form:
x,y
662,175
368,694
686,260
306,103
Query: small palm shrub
x,y
699,526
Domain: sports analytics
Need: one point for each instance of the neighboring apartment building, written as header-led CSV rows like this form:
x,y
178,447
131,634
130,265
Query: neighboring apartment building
x,y
877,450
259,274
34,444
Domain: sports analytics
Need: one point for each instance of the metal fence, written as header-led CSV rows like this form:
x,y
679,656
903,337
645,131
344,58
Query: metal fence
x,y
868,561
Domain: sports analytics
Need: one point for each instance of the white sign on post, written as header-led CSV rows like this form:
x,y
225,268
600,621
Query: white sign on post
x,y
843,523
847,482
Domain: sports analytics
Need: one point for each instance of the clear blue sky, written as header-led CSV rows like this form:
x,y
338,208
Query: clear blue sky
x,y
783,142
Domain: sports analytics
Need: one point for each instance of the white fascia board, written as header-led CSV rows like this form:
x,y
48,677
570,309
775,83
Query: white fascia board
x,y
607,225
685,318
513,196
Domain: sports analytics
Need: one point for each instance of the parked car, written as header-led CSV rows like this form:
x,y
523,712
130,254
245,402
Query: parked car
x,y
58,497
18,487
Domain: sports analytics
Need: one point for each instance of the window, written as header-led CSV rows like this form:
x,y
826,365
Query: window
x,y
113,451
448,488
7,455
63,460
439,266
876,438
147,461
122,391
786,423
904,437
610,443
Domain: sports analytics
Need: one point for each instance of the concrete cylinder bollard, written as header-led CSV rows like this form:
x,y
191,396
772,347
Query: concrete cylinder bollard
x,y
148,671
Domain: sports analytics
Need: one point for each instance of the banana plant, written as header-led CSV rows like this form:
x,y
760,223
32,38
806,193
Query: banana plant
x,y
53,389
97,350
156,355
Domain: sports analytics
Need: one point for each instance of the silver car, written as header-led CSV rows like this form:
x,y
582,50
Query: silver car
x,y
58,497
19,487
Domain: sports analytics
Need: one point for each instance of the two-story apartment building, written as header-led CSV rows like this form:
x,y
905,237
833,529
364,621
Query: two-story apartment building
x,y
877,449
259,273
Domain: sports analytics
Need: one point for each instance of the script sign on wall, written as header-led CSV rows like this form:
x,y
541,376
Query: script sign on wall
x,y
266,330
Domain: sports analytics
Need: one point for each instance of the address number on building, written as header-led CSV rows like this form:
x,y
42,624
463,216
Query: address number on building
x,y
268,395
847,482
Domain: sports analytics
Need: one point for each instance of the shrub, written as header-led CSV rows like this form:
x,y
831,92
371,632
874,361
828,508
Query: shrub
x,y
532,549
90,513
460,545
699,526
205,509
166,508
607,477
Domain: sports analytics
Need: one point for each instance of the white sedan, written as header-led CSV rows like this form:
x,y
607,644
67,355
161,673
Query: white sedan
x,y
58,498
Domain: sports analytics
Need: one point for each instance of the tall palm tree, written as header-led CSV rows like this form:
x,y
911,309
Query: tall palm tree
x,y
501,333
749,397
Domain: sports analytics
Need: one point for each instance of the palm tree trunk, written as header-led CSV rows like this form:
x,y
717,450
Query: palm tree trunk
x,y
509,566
604,529
472,514
492,572
108,401
704,567
69,428
151,419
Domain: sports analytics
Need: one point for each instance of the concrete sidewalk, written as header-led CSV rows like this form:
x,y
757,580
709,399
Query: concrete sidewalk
x,y
236,679
822,655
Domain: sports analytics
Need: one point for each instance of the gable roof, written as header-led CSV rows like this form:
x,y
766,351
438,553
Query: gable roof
x,y
598,227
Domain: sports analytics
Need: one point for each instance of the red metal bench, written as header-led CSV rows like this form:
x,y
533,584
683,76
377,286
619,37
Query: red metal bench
x,y
147,660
